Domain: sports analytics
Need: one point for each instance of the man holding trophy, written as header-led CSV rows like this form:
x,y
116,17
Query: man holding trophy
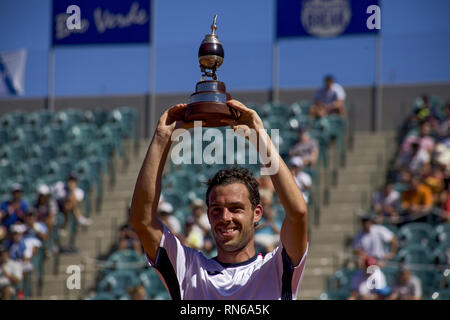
x,y
233,205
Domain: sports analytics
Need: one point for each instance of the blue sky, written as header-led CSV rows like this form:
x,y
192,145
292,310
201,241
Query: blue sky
x,y
415,37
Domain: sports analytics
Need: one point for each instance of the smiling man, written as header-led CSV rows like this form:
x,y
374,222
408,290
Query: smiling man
x,y
234,210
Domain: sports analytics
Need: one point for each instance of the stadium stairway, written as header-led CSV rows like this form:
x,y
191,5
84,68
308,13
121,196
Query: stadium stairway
x,y
97,238
364,170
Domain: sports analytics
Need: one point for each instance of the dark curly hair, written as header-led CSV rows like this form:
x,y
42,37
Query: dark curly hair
x,y
233,175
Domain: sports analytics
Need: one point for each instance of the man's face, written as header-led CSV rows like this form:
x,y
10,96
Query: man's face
x,y
16,195
328,83
366,224
231,216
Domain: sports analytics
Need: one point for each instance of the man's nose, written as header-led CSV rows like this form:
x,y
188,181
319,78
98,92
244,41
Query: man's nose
x,y
225,215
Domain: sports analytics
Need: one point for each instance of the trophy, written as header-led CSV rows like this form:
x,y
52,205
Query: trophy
x,y
209,101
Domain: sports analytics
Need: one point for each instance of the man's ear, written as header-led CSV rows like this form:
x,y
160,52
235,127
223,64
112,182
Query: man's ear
x,y
257,214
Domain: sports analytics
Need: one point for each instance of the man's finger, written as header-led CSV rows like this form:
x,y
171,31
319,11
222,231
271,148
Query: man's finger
x,y
237,105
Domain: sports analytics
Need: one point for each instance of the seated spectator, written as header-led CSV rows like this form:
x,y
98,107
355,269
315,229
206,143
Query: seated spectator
x,y
46,207
385,203
417,201
267,232
424,139
407,287
22,249
368,283
306,148
10,275
34,228
302,179
328,100
137,293
128,239
165,212
371,242
198,209
195,237
69,197
414,158
13,210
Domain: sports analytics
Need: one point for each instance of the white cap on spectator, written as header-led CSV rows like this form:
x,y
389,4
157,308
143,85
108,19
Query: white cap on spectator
x,y
43,189
197,203
165,207
296,162
16,187
18,228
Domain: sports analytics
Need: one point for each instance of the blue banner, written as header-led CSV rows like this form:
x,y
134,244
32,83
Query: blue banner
x,y
325,18
77,22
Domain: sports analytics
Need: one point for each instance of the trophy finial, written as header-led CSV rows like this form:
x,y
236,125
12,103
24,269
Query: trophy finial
x,y
214,25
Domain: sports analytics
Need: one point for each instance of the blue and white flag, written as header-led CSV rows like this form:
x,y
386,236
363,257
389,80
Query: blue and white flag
x,y
12,73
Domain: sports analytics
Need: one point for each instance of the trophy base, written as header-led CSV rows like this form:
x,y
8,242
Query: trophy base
x,y
210,112
209,104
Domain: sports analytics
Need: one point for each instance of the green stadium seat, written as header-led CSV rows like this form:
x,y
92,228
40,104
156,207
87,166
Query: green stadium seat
x,y
151,281
415,233
103,296
125,260
414,254
117,282
338,294
340,279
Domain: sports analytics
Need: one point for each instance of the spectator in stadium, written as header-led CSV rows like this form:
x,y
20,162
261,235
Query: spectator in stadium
x,y
13,210
414,158
305,148
371,241
302,179
329,99
233,203
267,233
137,292
10,275
69,197
165,210
369,282
424,139
407,287
195,237
34,228
46,207
198,210
385,203
417,201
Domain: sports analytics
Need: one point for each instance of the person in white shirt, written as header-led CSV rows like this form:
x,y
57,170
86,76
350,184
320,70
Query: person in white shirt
x,y
329,99
302,179
234,209
11,274
369,282
371,241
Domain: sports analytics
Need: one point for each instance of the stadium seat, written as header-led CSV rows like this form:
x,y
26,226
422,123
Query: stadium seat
x,y
415,233
338,294
152,283
125,260
414,254
340,280
117,282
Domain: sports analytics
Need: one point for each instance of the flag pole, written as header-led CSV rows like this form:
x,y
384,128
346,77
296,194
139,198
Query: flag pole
x,y
150,120
275,58
51,76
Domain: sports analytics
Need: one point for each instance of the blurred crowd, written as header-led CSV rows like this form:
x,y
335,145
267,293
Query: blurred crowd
x,y
416,195
27,231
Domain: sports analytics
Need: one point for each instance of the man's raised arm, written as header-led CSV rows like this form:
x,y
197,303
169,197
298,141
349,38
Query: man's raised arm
x,y
295,225
148,186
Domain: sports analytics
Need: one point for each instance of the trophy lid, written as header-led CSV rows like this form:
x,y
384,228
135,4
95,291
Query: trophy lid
x,y
211,54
